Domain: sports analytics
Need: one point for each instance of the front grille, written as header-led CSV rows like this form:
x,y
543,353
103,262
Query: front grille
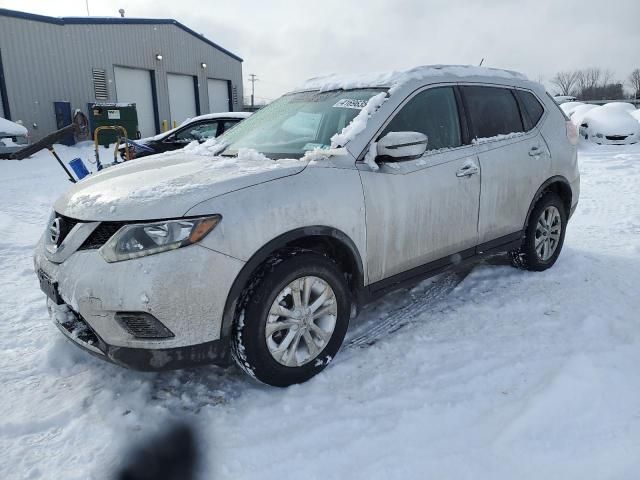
x,y
616,137
142,325
66,225
101,234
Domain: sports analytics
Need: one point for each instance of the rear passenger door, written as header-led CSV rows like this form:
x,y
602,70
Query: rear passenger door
x,y
513,156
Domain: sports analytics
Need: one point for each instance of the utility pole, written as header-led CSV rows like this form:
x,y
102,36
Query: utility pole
x,y
253,79
87,3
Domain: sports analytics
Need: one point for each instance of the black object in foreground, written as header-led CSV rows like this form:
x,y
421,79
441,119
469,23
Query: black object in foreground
x,y
168,455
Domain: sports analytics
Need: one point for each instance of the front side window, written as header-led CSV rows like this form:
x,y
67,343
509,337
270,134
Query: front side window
x,y
199,132
297,123
493,111
433,112
532,108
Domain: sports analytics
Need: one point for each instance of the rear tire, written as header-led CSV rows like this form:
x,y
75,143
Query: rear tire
x,y
292,319
544,235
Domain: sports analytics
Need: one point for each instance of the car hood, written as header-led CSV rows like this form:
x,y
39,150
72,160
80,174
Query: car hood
x,y
167,185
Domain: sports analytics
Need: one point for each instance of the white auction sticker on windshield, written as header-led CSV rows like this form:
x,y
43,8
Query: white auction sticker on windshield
x,y
351,103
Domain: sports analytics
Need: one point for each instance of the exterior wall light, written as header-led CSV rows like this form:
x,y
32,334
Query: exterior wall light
x,y
158,56
203,65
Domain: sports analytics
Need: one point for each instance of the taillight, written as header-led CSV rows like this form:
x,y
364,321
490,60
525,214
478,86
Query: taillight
x,y
572,133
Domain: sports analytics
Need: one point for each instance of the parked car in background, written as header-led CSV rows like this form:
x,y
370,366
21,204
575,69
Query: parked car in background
x,y
13,137
199,128
609,126
332,195
622,106
577,114
569,107
560,99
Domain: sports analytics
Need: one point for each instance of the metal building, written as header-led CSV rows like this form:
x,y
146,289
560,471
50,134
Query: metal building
x,y
50,67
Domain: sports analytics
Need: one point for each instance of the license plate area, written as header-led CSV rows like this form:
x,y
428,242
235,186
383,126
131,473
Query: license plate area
x,y
49,287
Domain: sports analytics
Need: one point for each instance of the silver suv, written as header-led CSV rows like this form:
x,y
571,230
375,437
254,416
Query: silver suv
x,y
262,244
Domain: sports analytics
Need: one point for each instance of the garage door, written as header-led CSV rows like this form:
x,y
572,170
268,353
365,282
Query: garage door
x,y
182,97
218,95
133,85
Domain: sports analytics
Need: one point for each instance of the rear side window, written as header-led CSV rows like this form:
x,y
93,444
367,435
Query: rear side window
x,y
532,108
433,112
492,111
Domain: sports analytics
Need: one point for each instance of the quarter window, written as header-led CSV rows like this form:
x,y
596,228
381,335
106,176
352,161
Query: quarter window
x,y
493,111
532,108
433,112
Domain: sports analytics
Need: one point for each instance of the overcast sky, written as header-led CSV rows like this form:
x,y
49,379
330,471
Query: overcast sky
x,y
285,42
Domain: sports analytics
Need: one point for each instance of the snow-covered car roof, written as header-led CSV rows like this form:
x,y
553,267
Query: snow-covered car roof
x,y
580,111
396,78
11,129
624,106
611,121
206,116
569,107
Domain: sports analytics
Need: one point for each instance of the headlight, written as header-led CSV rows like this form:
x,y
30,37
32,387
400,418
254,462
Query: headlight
x,y
599,135
140,240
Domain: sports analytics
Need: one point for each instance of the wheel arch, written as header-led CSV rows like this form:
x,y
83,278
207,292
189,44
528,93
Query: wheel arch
x,y
322,239
557,184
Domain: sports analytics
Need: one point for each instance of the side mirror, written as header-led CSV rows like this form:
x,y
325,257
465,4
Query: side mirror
x,y
402,145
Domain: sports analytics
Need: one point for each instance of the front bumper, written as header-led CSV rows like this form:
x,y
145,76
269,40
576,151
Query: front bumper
x,y
185,290
78,331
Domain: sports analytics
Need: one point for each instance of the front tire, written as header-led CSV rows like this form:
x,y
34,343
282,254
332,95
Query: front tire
x,y
292,319
544,235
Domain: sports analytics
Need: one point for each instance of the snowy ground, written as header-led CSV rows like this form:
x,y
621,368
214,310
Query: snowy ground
x,y
506,374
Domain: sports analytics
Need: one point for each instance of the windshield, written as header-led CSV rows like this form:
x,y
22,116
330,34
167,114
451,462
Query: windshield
x,y
297,122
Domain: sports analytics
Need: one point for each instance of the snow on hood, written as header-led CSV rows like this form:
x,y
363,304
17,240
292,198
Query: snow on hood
x,y
168,185
611,121
394,79
12,129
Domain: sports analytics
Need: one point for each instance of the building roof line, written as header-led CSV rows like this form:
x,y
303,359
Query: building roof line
x,y
112,21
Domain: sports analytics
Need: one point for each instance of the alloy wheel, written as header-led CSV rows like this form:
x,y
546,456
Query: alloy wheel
x,y
301,321
548,231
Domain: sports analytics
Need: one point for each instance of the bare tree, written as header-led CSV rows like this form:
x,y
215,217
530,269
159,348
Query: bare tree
x,y
565,81
589,78
634,82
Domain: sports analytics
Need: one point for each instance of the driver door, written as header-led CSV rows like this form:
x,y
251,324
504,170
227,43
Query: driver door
x,y
421,212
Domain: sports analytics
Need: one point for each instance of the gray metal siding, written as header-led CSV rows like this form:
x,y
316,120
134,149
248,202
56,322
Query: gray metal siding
x,y
45,62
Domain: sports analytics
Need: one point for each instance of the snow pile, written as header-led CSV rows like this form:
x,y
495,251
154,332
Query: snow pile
x,y
11,129
359,123
394,79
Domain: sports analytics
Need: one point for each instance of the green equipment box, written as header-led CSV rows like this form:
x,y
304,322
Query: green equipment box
x,y
109,114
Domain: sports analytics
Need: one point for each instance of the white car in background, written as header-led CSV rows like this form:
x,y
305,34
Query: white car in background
x,y
569,107
13,137
560,99
621,106
610,126
578,113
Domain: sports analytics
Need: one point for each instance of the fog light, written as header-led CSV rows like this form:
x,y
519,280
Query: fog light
x,y
143,325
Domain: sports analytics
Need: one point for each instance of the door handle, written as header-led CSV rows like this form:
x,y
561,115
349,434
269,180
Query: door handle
x,y
467,170
535,151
